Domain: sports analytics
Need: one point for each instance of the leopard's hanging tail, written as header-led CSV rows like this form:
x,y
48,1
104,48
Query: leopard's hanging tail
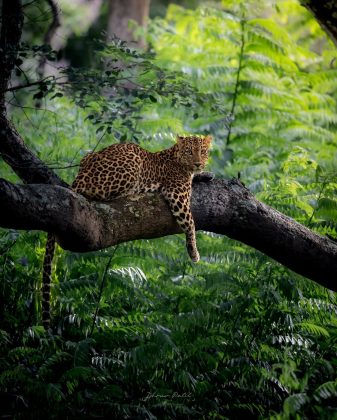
x,y
46,279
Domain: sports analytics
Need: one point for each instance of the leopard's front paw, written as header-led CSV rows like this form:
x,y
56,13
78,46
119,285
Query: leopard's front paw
x,y
203,177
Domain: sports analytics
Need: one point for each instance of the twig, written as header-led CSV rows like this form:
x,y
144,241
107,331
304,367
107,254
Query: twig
x,y
29,84
237,82
101,290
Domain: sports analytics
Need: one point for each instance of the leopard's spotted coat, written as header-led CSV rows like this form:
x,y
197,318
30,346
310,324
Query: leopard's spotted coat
x,y
126,169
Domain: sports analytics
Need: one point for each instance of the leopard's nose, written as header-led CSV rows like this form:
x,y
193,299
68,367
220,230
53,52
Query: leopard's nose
x,y
197,164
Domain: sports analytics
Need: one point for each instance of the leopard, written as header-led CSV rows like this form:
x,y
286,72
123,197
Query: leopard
x,y
126,169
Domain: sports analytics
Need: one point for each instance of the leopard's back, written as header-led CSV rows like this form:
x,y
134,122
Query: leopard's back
x,y
112,172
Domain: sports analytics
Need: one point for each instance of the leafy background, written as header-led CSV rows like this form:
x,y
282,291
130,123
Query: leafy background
x,y
139,331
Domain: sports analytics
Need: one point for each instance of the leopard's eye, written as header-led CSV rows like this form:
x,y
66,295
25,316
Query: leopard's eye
x,y
188,151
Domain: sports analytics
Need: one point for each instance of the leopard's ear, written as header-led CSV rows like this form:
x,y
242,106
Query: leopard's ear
x,y
209,139
179,138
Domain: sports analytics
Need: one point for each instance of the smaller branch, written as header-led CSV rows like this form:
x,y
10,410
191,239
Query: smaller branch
x,y
101,289
98,142
64,167
24,74
29,84
49,165
28,4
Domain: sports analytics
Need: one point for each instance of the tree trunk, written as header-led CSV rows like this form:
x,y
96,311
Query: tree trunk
x,y
325,12
11,29
121,12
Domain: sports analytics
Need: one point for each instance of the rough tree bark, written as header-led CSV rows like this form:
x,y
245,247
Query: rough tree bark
x,y
218,206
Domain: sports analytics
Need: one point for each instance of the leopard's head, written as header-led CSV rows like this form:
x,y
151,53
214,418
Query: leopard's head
x,y
193,152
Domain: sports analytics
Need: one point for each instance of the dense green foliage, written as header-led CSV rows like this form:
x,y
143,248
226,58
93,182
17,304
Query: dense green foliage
x,y
139,331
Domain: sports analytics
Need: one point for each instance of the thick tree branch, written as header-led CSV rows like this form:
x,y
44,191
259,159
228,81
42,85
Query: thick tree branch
x,y
23,162
325,12
224,207
12,148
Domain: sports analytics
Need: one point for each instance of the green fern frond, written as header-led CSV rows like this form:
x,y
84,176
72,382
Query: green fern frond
x,y
4,338
292,339
325,391
272,31
60,358
313,329
294,403
83,352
